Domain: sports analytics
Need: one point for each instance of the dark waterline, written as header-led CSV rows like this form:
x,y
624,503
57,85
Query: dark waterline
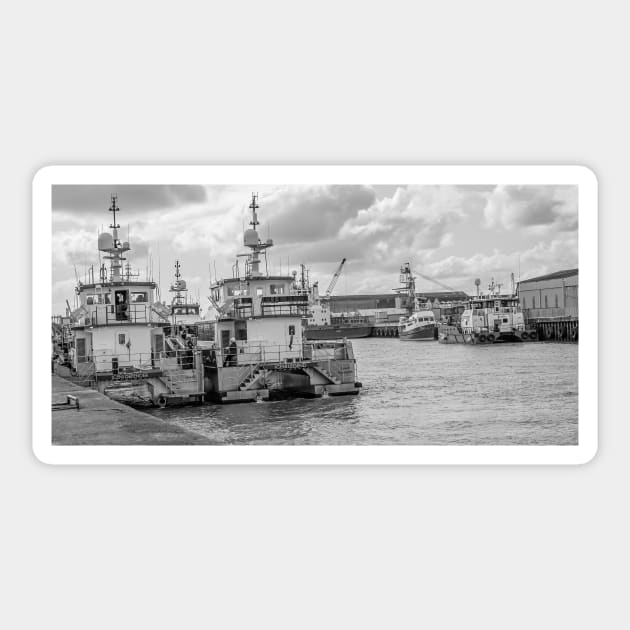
x,y
418,393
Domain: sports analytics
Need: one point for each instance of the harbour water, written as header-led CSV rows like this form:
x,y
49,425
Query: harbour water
x,y
418,393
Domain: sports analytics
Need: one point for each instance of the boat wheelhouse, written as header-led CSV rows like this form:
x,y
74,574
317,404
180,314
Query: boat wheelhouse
x,y
260,346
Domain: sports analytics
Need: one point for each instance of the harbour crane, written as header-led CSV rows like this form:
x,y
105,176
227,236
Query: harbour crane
x,y
335,277
440,284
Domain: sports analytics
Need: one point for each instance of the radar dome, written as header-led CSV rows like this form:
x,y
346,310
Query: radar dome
x,y
250,238
105,241
179,285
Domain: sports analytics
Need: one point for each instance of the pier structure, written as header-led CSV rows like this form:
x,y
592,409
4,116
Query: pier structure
x,y
85,416
550,304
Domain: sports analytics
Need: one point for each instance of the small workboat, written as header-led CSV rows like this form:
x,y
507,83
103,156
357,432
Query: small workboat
x,y
419,326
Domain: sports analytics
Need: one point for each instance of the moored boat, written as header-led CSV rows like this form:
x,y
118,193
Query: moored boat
x,y
489,318
122,339
419,325
261,350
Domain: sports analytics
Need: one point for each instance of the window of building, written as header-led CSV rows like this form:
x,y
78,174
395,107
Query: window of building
x,y
259,291
121,338
276,289
556,297
533,301
546,302
140,296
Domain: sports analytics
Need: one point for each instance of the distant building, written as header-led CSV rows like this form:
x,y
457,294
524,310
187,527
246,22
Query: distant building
x,y
382,301
550,297
391,306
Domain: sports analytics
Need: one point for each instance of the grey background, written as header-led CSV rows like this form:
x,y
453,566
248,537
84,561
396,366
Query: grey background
x,y
483,82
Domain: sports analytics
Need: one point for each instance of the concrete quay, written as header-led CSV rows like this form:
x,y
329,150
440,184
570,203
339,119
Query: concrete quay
x,y
99,420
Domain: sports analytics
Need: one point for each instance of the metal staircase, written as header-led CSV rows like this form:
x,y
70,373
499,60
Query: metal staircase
x,y
255,374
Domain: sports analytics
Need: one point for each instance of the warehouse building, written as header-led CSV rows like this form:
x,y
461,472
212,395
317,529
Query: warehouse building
x,y
550,303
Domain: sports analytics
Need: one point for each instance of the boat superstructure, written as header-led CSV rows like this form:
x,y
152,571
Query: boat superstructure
x,y
420,324
122,340
183,312
260,348
492,317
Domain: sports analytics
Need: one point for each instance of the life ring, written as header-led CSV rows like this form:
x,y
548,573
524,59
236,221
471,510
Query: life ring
x,y
490,337
161,401
524,336
533,335
482,339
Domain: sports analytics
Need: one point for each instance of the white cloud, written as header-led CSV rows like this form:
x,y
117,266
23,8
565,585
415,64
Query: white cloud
x,y
518,207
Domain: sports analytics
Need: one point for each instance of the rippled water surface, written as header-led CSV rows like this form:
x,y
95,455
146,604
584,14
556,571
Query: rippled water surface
x,y
418,393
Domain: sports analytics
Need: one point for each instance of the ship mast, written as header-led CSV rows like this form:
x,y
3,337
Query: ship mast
x,y
253,242
113,246
178,286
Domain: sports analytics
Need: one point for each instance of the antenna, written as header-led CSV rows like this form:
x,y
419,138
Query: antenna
x,y
159,272
254,206
114,209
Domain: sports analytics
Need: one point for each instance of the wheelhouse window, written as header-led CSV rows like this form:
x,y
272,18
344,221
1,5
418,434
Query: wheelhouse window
x,y
97,298
139,296
276,289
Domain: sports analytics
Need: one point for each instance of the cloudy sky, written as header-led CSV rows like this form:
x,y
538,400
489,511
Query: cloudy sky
x,y
451,233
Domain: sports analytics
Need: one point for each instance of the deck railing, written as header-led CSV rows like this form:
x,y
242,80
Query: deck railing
x,y
109,362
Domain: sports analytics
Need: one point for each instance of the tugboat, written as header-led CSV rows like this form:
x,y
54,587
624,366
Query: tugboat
x,y
122,340
491,318
261,351
420,324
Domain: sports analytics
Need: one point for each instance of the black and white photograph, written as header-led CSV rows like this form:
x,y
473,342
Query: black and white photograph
x,y
315,315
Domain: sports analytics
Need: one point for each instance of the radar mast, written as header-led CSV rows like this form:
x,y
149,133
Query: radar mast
x,y
253,242
112,245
